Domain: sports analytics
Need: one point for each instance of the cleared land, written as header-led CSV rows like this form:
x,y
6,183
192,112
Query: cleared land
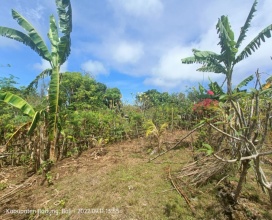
x,y
121,184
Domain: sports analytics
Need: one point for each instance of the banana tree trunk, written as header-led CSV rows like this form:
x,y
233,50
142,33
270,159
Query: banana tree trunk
x,y
54,112
229,83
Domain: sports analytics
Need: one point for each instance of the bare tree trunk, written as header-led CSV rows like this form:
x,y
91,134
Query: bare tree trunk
x,y
245,167
270,194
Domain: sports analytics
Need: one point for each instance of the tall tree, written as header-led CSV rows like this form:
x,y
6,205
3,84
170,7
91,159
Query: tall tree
x,y
60,50
228,58
81,91
113,98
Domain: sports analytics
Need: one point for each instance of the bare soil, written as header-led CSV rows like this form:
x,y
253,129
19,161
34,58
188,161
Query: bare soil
x,y
119,182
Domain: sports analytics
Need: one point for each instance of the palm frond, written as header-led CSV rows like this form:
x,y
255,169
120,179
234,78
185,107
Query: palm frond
x,y
17,102
199,54
64,10
210,61
245,82
244,29
53,36
20,37
34,122
33,34
213,66
254,44
227,43
201,57
64,49
210,69
190,60
35,82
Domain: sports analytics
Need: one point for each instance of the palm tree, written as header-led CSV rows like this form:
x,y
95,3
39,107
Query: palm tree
x,y
60,50
228,58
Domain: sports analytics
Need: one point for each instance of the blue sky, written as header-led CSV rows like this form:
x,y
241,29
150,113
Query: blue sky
x,y
137,45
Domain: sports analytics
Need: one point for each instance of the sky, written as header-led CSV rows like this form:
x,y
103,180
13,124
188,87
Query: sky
x,y
136,45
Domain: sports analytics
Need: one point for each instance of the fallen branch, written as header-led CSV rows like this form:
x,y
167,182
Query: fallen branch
x,y
200,172
178,189
177,143
18,188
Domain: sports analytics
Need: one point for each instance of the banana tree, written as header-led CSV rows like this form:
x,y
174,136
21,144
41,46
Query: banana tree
x,y
60,50
225,61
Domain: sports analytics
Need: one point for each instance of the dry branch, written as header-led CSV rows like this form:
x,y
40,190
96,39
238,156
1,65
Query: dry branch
x,y
200,172
254,156
12,192
180,191
177,143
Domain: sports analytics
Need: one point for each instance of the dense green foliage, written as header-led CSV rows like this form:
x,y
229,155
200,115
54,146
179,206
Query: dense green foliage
x,y
89,111
79,91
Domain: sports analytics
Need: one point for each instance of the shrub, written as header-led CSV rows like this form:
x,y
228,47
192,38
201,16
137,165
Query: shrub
x,y
205,107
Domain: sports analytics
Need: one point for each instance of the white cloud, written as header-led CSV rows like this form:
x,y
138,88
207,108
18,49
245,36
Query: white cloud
x,y
94,67
169,72
44,64
35,13
127,53
161,82
117,53
138,8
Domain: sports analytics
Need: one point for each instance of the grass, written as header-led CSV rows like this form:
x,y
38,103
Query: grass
x,y
123,185
132,188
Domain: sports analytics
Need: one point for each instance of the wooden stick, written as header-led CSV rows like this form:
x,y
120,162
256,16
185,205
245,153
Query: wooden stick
x,y
192,131
178,189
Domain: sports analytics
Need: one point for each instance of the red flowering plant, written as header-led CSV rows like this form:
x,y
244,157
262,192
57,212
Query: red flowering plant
x,y
205,107
210,92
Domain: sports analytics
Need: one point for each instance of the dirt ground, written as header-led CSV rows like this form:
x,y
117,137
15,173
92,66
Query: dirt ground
x,y
119,182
